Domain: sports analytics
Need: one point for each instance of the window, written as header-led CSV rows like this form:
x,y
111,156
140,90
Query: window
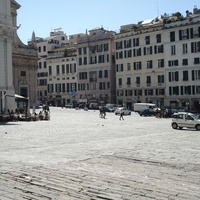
x,y
137,80
105,73
195,47
148,92
105,47
172,36
185,49
84,50
160,63
160,91
183,34
195,32
147,39
39,49
137,65
128,66
50,70
128,81
173,76
137,52
23,73
161,79
158,38
127,43
44,48
196,60
185,75
147,50
195,75
149,64
185,61
120,81
63,69
100,74
118,45
40,65
158,49
148,80
173,50
174,90
57,69
79,51
120,68
136,42
172,63
80,61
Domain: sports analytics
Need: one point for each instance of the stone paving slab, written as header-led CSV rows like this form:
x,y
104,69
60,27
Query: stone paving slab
x,y
77,155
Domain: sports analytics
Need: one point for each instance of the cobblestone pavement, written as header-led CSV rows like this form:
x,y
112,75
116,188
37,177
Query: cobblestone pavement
x,y
77,155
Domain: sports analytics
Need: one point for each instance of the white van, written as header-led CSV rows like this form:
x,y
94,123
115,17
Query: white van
x,y
142,106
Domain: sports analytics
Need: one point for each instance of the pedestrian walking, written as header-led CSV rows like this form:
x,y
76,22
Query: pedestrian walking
x,y
121,115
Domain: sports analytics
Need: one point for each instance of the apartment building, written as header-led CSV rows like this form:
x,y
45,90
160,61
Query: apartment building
x,y
140,73
158,61
45,46
95,67
62,77
182,61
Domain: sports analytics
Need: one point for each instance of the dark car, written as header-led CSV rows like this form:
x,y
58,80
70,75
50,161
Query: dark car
x,y
147,112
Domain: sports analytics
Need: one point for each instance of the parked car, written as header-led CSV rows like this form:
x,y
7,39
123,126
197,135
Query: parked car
x,y
147,112
69,105
186,120
122,109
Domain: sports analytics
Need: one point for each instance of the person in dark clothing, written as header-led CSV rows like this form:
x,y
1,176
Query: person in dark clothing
x,y
121,116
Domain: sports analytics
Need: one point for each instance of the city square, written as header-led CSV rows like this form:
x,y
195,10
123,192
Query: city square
x,y
78,155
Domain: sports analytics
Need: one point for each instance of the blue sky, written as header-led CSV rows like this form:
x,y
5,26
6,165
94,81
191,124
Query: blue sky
x,y
75,16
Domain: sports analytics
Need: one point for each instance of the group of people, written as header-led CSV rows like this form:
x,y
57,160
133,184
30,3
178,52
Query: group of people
x,y
102,113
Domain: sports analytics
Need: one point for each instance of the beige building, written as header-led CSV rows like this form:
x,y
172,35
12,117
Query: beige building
x,y
62,76
182,60
46,46
158,61
95,67
24,58
140,73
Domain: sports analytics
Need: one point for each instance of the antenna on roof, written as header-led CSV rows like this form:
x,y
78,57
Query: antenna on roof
x,y
157,8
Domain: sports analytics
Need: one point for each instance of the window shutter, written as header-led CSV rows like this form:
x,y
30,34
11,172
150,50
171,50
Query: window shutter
x,y
170,79
170,90
176,76
191,33
193,90
187,33
192,47
144,50
189,89
193,75
180,34
181,90
151,50
155,49
199,31
177,90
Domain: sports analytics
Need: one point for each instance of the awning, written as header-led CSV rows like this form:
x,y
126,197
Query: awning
x,y
19,97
